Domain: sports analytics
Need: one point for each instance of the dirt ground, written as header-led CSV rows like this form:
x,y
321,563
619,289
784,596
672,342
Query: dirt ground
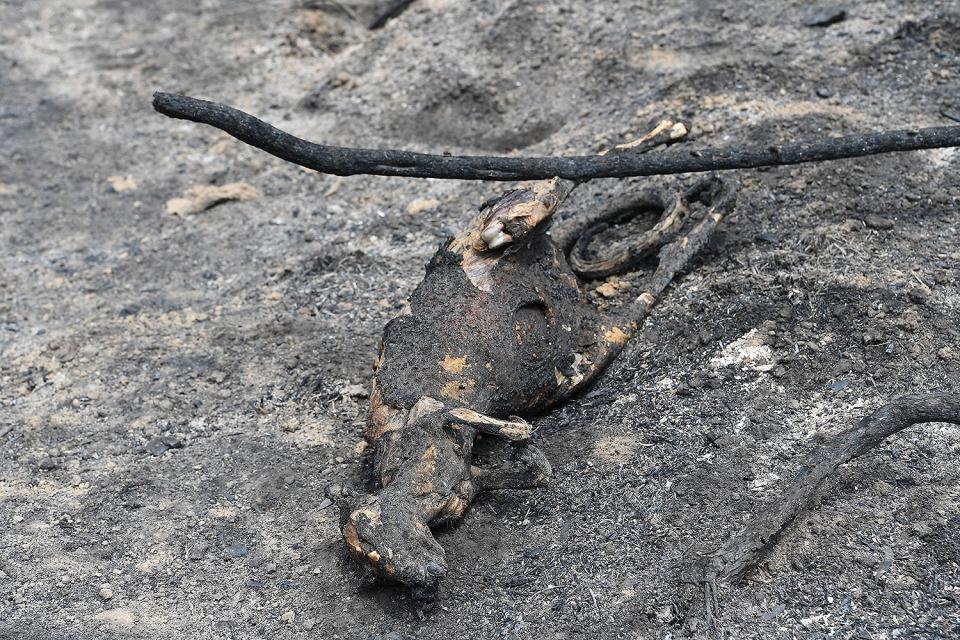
x,y
177,391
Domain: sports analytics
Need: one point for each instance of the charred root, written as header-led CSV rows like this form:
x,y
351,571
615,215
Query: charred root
x,y
741,554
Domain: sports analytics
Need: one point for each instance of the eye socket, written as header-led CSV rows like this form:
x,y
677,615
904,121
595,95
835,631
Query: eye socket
x,y
531,321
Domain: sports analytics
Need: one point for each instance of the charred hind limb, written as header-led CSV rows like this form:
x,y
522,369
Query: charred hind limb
x,y
529,469
346,161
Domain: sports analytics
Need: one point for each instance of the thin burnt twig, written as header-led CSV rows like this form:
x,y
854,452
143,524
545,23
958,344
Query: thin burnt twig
x,y
344,161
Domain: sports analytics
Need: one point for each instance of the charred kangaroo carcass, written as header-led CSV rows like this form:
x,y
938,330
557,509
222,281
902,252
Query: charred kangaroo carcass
x,y
501,328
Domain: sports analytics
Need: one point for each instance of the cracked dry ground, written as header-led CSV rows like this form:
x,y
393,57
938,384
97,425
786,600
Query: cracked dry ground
x,y
176,391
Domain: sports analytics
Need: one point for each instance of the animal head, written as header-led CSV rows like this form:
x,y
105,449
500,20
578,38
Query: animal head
x,y
388,535
507,219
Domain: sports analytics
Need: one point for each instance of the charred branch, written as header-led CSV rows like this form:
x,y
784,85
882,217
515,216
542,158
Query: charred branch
x,y
344,161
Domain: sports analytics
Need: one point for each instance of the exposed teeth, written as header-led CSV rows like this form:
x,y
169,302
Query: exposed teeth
x,y
490,234
500,240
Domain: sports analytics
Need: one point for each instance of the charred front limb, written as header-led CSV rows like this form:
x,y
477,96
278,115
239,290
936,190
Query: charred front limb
x,y
516,429
346,161
743,552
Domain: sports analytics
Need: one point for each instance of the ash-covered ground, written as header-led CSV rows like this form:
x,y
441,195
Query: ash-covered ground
x,y
177,390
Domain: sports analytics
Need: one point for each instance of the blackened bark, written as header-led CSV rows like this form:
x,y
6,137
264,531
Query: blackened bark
x,y
345,161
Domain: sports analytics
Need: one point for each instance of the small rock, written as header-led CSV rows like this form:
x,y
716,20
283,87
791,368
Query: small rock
x,y
235,551
607,289
767,237
852,224
309,624
156,447
48,464
779,371
878,222
839,385
422,204
106,592
823,92
288,617
826,16
946,353
909,321
354,391
119,184
172,442
196,551
902,582
326,502
919,293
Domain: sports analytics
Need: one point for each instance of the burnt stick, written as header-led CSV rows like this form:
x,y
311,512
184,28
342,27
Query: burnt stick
x,y
345,161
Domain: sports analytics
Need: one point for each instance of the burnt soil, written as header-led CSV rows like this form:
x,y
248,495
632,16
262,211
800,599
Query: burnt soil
x,y
176,392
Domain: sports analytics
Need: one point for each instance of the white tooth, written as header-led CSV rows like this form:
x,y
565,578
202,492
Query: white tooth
x,y
498,241
491,232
